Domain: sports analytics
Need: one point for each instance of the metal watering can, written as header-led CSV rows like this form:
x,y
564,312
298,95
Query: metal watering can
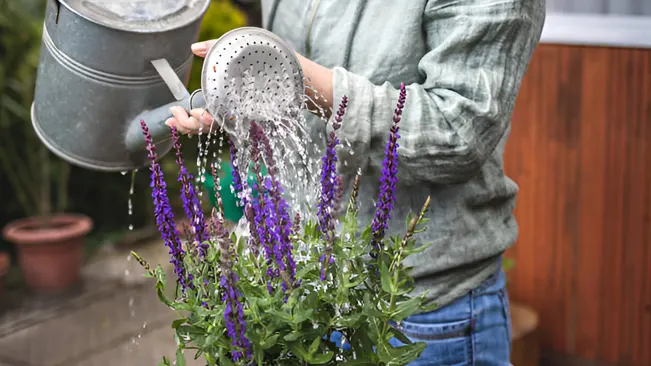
x,y
108,64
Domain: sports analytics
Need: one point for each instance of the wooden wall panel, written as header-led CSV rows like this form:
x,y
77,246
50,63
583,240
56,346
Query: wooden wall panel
x,y
580,150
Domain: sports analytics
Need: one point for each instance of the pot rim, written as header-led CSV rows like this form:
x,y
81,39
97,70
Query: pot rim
x,y
107,24
22,231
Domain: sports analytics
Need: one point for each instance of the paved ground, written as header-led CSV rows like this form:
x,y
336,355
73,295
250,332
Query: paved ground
x,y
114,318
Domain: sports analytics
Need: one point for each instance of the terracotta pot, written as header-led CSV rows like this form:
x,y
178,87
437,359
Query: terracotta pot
x,y
50,249
5,265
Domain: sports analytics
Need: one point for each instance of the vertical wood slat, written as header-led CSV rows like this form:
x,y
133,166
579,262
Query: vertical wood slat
x,y
579,149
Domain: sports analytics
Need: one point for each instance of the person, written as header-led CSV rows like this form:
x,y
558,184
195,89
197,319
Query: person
x,y
463,62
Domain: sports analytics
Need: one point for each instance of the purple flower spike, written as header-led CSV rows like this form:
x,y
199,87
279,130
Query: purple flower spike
x,y
273,210
234,312
234,317
249,209
329,184
191,203
389,178
340,113
163,212
331,188
235,172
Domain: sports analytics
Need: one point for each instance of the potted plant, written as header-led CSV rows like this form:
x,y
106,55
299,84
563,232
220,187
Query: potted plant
x,y
284,290
49,242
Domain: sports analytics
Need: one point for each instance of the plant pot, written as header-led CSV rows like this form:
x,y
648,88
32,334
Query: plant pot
x,y
5,265
50,249
525,344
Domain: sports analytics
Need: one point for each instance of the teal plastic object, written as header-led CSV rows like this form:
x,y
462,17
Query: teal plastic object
x,y
232,210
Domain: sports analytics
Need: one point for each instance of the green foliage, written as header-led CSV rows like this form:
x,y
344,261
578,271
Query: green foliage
x,y
38,179
293,328
508,264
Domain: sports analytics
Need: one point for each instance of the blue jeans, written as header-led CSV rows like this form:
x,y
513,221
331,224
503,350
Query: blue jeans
x,y
474,330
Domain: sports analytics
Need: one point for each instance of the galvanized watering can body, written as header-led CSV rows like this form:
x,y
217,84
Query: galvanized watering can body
x,y
96,78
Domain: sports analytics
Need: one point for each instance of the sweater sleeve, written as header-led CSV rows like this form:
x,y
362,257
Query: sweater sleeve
x,y
453,120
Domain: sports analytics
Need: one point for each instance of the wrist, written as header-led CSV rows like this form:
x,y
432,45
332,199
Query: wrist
x,y
319,86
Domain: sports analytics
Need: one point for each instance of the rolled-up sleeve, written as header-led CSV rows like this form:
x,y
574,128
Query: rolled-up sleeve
x,y
453,120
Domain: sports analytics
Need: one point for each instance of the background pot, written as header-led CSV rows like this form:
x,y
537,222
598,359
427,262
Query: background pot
x,y
50,249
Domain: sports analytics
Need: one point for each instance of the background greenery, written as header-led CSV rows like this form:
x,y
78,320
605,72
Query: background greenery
x,y
32,180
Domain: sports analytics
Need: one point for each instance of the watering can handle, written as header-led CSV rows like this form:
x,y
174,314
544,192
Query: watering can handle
x,y
155,120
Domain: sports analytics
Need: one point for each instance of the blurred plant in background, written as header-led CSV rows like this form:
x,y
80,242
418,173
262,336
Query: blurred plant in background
x,y
32,180
38,180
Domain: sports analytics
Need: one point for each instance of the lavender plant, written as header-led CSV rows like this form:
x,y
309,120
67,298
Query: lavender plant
x,y
276,295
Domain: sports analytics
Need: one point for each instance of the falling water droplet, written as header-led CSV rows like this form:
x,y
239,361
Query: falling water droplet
x,y
130,201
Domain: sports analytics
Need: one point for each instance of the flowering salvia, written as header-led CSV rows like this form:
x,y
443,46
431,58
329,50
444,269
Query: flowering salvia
x,y
277,294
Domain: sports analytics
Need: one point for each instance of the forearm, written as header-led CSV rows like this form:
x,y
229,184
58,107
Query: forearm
x,y
319,87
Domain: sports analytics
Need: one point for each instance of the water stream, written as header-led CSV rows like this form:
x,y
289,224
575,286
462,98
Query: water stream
x,y
295,151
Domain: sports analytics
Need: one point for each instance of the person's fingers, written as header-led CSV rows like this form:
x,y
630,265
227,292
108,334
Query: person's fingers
x,y
204,118
201,48
171,122
184,122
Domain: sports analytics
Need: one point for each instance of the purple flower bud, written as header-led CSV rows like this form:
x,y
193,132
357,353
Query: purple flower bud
x,y
388,179
331,187
191,203
163,212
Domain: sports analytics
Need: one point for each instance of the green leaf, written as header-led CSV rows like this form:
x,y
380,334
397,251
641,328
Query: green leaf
x,y
400,336
224,361
358,281
178,322
302,315
159,272
399,356
160,291
357,363
299,350
165,362
350,320
406,308
270,342
385,279
429,307
315,345
408,219
293,336
180,358
321,359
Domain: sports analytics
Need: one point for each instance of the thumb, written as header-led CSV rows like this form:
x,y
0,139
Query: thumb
x,y
201,48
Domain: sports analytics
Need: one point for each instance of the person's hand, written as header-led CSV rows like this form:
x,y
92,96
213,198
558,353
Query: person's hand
x,y
320,80
197,119
188,124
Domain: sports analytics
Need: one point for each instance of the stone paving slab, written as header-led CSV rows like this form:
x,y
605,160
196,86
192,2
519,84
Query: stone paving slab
x,y
20,309
83,332
112,263
145,351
